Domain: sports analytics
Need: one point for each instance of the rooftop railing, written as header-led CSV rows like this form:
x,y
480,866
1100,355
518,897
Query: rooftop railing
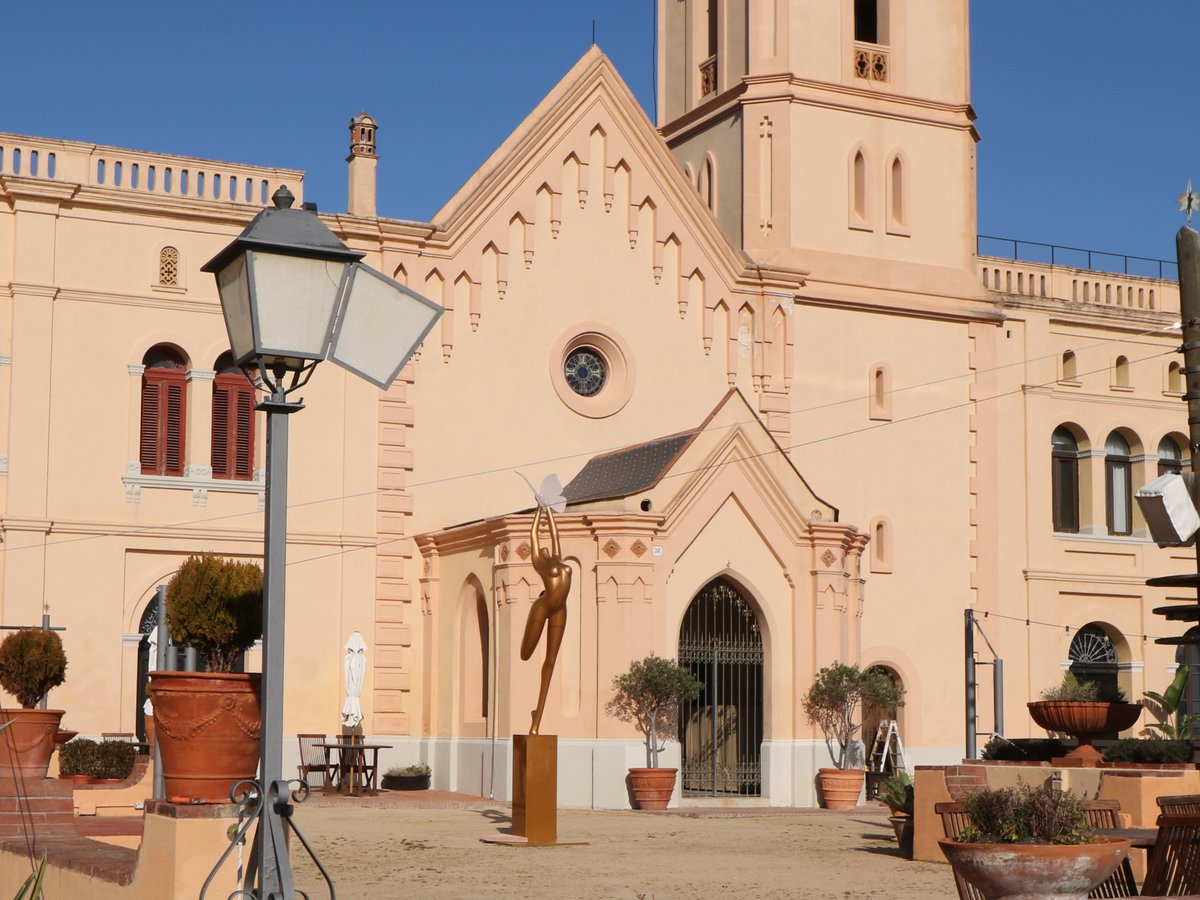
x,y
1076,257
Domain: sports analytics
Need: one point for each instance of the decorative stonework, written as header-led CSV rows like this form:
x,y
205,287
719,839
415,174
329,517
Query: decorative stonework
x,y
524,550
505,552
871,63
639,549
168,267
828,557
611,549
816,515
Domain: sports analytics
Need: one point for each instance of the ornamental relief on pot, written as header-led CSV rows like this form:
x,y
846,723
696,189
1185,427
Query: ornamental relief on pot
x,y
233,706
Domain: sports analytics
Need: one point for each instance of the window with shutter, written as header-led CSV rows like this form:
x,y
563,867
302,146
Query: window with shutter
x,y
232,422
163,414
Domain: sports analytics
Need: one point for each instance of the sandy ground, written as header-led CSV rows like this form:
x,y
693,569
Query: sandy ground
x,y
373,849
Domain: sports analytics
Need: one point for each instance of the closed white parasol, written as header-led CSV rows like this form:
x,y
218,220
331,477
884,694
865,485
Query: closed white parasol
x,y
355,666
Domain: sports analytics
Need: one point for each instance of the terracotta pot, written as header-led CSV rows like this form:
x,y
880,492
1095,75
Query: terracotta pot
x,y
903,826
652,788
61,737
79,779
208,726
28,743
840,787
1083,720
1035,871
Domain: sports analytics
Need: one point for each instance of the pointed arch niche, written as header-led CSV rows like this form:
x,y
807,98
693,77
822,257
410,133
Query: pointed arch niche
x,y
474,662
858,212
898,195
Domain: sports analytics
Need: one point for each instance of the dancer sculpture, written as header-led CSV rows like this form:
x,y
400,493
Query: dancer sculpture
x,y
549,611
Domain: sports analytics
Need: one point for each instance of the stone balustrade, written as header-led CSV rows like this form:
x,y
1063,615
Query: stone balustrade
x,y
159,174
1083,286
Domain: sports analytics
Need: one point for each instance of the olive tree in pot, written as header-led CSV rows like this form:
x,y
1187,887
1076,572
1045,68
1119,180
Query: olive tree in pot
x,y
648,695
208,723
832,704
32,662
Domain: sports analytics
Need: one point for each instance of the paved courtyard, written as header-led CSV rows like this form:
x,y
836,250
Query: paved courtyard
x,y
392,847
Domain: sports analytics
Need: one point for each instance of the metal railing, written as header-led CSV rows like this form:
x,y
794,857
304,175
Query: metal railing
x,y
1076,257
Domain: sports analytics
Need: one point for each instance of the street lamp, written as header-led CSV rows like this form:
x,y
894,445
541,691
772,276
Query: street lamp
x,y
293,295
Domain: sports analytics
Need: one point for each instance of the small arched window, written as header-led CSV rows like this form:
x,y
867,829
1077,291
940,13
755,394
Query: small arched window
x,y
1118,484
881,546
880,388
1170,457
232,422
1069,370
897,211
1094,658
860,188
1064,479
163,412
1174,378
1121,372
168,267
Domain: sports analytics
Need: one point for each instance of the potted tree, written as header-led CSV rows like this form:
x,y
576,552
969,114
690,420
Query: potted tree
x,y
1031,842
1083,710
208,723
32,662
648,695
832,704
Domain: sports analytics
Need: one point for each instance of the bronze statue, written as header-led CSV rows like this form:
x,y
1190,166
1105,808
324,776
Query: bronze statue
x,y
549,611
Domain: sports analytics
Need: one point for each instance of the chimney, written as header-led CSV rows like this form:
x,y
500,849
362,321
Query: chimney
x,y
362,160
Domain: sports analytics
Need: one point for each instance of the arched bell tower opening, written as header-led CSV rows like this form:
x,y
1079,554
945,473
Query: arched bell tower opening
x,y
721,731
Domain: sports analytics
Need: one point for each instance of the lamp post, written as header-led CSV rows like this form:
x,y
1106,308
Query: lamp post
x,y
293,295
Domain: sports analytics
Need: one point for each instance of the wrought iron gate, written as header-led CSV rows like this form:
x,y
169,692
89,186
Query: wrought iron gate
x,y
721,730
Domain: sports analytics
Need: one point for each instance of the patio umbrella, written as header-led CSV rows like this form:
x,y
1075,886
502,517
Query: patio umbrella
x,y
355,665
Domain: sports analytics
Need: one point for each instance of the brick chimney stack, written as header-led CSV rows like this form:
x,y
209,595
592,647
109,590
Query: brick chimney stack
x,y
362,160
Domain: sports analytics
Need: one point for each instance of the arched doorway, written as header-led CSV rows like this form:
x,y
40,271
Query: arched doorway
x,y
721,731
1094,658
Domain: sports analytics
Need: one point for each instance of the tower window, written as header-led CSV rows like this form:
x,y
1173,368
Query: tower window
x,y
866,21
1064,478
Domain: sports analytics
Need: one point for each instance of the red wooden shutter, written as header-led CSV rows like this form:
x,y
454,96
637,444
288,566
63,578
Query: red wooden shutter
x,y
220,430
173,435
243,449
149,427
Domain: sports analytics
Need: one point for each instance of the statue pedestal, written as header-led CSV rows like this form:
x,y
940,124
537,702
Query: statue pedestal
x,y
535,788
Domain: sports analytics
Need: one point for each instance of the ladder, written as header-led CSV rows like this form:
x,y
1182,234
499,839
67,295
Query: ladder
x,y
887,752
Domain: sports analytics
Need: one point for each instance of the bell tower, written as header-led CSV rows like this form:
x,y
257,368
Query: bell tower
x,y
832,135
362,160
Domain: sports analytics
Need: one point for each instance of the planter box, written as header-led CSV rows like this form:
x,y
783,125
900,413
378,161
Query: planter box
x,y
406,782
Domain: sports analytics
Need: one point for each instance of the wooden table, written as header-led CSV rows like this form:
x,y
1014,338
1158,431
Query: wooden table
x,y
1143,838
355,775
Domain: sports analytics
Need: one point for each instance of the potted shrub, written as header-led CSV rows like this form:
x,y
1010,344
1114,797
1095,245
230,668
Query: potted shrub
x,y
207,723
32,662
648,695
113,762
1083,710
832,704
76,760
1031,842
408,778
898,795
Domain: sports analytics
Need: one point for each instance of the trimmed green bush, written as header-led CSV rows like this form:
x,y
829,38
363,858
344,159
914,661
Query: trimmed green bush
x,y
31,662
216,606
1148,750
1024,749
114,759
77,757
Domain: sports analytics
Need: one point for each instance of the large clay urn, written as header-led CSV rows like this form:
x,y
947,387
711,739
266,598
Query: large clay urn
x,y
1035,871
840,787
27,744
208,727
652,788
1083,720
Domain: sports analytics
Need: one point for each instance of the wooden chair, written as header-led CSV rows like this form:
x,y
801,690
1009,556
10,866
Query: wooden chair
x,y
1179,805
954,819
312,762
1174,866
1107,814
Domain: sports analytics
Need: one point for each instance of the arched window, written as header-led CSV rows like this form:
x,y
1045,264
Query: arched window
x,y
1170,457
168,267
163,420
1174,378
1068,366
866,22
897,212
232,422
881,545
1121,372
880,388
860,187
1064,478
1118,484
1094,658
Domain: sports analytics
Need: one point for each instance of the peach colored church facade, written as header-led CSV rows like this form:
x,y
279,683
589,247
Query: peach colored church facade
x,y
819,407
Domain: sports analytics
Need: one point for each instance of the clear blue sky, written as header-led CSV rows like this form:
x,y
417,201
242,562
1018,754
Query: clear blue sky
x,y
1085,106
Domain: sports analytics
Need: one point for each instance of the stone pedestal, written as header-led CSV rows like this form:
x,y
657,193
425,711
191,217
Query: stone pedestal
x,y
535,788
